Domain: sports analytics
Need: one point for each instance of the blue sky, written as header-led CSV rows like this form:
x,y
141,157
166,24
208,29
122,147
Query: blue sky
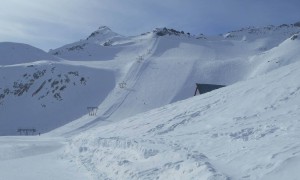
x,y
53,23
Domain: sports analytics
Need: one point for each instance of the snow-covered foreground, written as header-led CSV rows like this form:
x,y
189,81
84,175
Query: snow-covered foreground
x,y
35,158
249,130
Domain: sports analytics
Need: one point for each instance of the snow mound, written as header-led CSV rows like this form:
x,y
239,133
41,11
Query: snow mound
x,y
16,53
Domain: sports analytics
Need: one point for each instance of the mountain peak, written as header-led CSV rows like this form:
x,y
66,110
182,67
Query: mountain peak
x,y
102,32
104,28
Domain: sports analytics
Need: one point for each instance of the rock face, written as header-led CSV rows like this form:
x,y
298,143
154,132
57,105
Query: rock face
x,y
165,31
295,36
297,24
48,95
54,85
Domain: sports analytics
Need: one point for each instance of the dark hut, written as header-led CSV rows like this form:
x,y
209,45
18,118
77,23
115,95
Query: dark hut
x,y
204,88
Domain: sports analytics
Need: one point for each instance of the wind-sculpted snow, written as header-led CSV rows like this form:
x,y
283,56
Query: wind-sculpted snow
x,y
249,130
119,158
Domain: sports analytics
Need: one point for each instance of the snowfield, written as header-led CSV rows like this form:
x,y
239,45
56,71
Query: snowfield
x,y
147,125
249,130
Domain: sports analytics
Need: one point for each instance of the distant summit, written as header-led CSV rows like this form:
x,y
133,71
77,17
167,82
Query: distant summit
x,y
102,33
93,47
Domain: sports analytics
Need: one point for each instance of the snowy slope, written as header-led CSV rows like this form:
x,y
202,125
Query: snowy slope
x,y
15,53
157,70
249,130
46,95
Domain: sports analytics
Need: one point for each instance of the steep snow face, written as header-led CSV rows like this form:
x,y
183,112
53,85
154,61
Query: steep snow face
x,y
252,127
285,53
15,53
47,95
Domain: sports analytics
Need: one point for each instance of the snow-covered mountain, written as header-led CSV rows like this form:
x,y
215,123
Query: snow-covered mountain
x,y
252,125
16,53
134,74
94,47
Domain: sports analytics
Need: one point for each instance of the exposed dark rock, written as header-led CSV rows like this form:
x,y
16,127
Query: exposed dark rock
x,y
297,24
294,37
166,31
38,90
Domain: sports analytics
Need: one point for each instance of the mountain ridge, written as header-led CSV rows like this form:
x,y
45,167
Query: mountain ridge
x,y
17,53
